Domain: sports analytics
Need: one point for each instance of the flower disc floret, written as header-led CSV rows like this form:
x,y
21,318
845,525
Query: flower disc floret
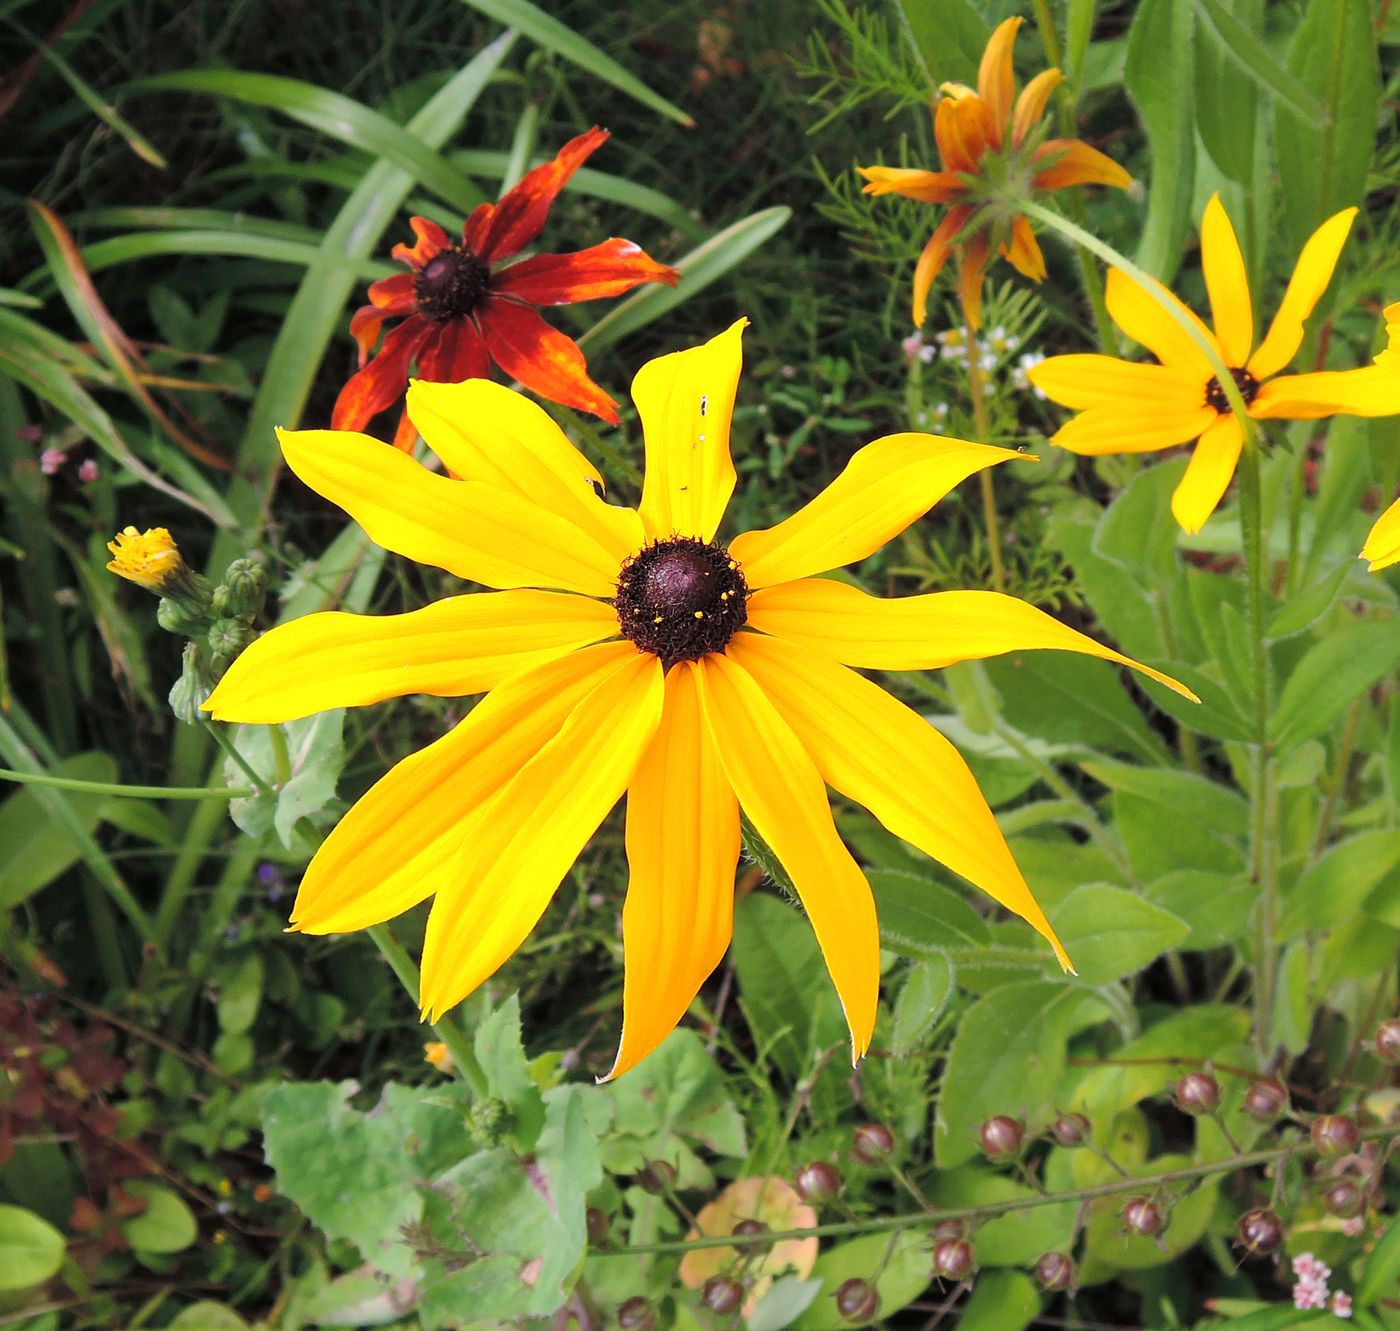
x,y
451,284
681,598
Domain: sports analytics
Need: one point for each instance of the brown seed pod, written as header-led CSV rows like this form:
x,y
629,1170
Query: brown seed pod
x,y
954,1259
1344,1198
1055,1272
818,1182
656,1176
637,1314
1261,1233
1198,1093
722,1295
1387,1041
857,1301
1143,1217
1071,1130
749,1228
872,1144
1335,1134
598,1225
1265,1099
1001,1137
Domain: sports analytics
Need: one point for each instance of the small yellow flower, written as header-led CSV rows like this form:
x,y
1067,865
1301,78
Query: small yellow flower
x,y
1382,546
438,1054
1135,407
150,559
992,157
629,651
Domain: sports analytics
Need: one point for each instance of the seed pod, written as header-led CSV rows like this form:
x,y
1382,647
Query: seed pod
x,y
1001,1137
1335,1134
598,1225
1265,1099
722,1294
637,1314
954,1259
1072,1130
818,1182
1388,1041
872,1144
1055,1272
1261,1233
1198,1093
1344,1198
1143,1217
857,1301
749,1227
656,1176
949,1229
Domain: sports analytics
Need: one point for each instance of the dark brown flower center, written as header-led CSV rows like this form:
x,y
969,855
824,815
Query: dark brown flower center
x,y
451,284
681,599
1244,381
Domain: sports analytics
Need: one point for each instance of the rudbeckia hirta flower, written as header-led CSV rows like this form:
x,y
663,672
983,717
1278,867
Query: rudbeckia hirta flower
x,y
1382,548
632,650
992,156
463,306
1134,407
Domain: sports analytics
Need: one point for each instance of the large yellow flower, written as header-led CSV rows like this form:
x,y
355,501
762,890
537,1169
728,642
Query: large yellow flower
x,y
1382,548
628,650
1131,407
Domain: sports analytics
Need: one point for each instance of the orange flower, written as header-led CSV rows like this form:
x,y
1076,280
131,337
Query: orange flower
x,y
991,160
465,309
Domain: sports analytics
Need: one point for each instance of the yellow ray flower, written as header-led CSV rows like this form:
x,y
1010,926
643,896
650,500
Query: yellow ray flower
x,y
992,156
626,650
1136,407
150,558
1382,546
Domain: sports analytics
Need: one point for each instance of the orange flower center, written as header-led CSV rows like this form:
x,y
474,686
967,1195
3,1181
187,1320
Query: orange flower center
x,y
451,284
681,599
1244,381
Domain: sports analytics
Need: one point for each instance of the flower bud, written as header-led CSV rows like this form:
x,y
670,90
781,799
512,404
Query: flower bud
x,y
656,1176
244,588
598,1224
857,1301
1143,1217
1266,1099
1388,1041
1261,1233
1344,1198
748,1228
1335,1134
1198,1093
488,1120
722,1294
637,1314
1054,1272
196,682
1071,1130
818,1182
954,1259
872,1144
1001,1137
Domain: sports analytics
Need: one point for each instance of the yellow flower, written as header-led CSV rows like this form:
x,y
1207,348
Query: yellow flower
x,y
626,650
991,158
1131,407
1382,546
439,1055
150,559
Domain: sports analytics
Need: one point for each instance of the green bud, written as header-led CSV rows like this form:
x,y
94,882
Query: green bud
x,y
488,1121
194,686
226,639
179,618
244,587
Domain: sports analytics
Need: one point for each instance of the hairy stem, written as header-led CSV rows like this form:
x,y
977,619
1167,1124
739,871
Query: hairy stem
x,y
977,388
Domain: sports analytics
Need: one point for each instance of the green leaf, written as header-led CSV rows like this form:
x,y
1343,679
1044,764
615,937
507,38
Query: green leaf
x,y
240,994
948,36
1382,1267
1216,906
1156,74
207,1316
1197,800
547,31
1334,886
1226,105
1236,42
31,1249
1000,1301
315,753
1323,158
1006,1058
919,918
1309,605
1108,1248
166,1225
1109,933
1016,1238
1293,1009
922,998
1334,673
902,1269
499,1050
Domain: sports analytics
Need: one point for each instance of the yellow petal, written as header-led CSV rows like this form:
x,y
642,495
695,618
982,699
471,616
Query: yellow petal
x,y
1209,473
880,753
1095,381
522,841
918,632
475,531
1023,253
884,487
1373,390
1144,320
397,844
782,792
484,432
682,846
996,76
1382,546
1030,105
462,645
1310,278
1227,284
686,402
1142,428
923,186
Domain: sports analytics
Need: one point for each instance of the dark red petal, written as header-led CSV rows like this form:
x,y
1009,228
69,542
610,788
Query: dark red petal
x,y
521,214
608,269
542,358
432,239
394,294
405,434
458,354
373,388
474,228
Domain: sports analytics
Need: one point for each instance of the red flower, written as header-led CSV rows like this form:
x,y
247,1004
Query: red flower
x,y
466,310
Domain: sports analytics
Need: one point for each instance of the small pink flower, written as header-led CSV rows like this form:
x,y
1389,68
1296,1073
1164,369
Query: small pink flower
x,y
1310,1294
1341,1304
31,434
89,471
912,345
51,461
1356,1225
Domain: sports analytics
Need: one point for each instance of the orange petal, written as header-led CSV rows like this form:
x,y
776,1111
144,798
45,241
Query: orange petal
x,y
1023,252
542,358
1073,162
1030,105
607,269
962,127
996,76
925,186
976,255
431,240
934,256
380,383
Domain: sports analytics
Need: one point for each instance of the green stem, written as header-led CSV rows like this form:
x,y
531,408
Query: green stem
x,y
129,792
281,759
463,1056
227,745
1145,1183
978,390
200,834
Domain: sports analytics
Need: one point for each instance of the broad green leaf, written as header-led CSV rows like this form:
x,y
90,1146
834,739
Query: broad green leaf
x,y
1016,1238
1293,1012
1153,837
1196,799
166,1225
1216,906
1333,887
315,753
922,998
1110,933
904,1265
1334,673
1226,104
1109,1249
948,37
31,1249
1157,73
118,250
1382,1267
207,1316
1236,42
240,994
919,917
1309,605
1000,1300
501,1054
785,1300
33,849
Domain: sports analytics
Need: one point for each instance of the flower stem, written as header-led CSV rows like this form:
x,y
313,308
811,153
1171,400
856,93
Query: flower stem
x,y
977,388
129,792
464,1058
